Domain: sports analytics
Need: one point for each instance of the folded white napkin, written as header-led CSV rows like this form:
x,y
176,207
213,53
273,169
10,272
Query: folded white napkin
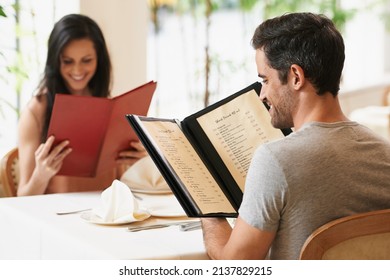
x,y
143,176
119,205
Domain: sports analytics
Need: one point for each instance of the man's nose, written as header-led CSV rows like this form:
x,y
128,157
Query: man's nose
x,y
262,94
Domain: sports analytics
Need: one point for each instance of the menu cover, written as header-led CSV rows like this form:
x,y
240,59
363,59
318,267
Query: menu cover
x,y
96,128
205,158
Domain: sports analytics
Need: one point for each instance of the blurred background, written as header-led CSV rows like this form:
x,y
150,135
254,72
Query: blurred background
x,y
197,50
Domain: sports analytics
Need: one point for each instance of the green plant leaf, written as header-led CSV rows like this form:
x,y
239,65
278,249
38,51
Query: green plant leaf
x,y
2,14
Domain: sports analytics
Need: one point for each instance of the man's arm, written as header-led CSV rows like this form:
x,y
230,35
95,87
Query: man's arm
x,y
241,242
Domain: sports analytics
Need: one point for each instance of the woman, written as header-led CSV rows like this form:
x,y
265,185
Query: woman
x,y
77,63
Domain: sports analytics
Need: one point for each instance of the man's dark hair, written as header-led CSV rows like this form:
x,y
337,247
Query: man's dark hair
x,y
308,40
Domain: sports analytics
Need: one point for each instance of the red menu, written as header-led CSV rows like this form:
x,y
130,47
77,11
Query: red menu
x,y
96,128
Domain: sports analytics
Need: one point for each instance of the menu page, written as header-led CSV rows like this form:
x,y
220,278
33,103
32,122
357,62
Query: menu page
x,y
172,143
236,129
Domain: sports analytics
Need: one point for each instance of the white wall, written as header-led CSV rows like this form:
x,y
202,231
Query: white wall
x,y
124,24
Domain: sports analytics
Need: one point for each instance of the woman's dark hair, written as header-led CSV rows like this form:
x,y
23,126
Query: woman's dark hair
x,y
308,40
73,27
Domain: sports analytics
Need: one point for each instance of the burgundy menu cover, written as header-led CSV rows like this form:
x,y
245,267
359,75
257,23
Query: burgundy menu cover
x,y
96,128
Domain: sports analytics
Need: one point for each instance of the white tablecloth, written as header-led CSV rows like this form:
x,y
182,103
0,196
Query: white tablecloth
x,y
30,229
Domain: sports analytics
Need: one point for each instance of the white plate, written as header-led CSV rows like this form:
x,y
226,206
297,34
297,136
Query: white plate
x,y
162,205
167,213
95,219
150,191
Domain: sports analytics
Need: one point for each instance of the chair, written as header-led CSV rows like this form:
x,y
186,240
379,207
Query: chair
x,y
9,172
386,97
386,102
362,236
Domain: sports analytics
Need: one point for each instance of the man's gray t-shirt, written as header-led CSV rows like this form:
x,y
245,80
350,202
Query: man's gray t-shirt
x,y
322,172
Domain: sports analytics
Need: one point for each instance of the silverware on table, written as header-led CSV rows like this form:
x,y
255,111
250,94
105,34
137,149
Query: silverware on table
x,y
72,212
191,226
184,226
88,209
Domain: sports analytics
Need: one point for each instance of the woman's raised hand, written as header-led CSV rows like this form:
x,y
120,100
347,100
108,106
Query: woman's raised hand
x,y
49,159
129,157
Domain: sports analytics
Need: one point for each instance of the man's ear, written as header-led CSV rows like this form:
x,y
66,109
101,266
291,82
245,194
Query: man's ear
x,y
296,76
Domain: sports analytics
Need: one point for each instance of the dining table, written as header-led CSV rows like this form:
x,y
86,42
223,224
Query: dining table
x,y
41,227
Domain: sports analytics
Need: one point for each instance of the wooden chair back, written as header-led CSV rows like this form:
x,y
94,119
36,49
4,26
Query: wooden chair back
x,y
361,236
9,172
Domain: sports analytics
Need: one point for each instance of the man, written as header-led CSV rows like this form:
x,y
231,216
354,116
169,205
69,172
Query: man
x,y
329,167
